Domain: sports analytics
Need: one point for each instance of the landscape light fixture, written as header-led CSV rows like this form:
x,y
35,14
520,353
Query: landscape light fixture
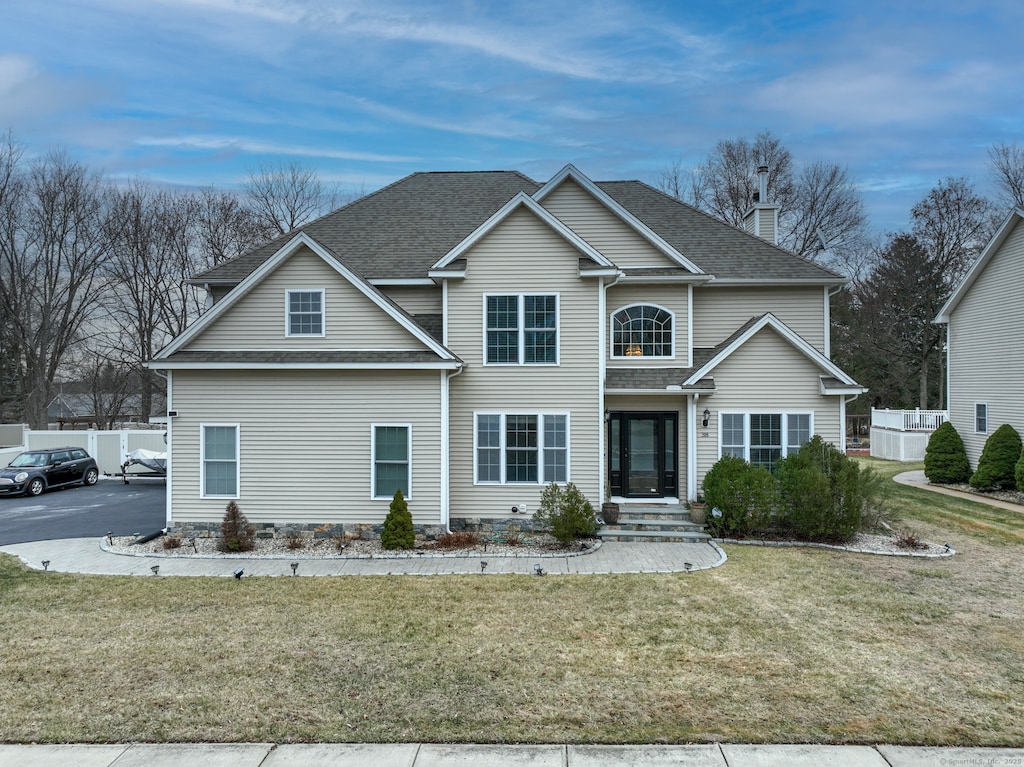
x,y
46,564
688,566
238,574
538,569
295,566
110,538
707,417
155,569
483,565
192,540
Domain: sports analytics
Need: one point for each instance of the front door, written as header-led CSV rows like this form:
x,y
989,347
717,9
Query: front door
x,y
642,454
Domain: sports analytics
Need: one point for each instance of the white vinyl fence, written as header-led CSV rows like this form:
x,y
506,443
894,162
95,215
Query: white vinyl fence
x,y
109,448
902,435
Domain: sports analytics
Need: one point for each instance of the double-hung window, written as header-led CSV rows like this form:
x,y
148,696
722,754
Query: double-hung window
x,y
981,417
516,448
392,459
219,461
304,313
763,438
521,329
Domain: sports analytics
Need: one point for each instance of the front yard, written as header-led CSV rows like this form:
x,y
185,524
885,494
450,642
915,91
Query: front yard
x,y
778,645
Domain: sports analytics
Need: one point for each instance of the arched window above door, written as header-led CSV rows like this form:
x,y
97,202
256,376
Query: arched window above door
x,y
642,330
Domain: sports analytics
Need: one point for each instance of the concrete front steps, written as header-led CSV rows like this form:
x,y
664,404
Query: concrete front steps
x,y
654,523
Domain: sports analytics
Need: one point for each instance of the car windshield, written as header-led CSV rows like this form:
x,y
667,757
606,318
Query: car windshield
x,y
30,459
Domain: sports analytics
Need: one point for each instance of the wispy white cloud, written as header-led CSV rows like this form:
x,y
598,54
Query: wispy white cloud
x,y
252,146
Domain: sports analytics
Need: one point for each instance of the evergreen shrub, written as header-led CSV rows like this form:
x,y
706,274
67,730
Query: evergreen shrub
x,y
945,458
398,532
236,534
741,497
998,462
565,513
822,493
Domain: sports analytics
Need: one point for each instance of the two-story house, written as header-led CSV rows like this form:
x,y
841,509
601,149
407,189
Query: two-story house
x,y
470,337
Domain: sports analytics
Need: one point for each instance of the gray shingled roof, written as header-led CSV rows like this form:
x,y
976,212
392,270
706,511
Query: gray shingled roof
x,y
306,357
399,231
718,248
657,379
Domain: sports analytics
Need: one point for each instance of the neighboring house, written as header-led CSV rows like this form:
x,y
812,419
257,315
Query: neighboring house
x,y
985,340
79,409
469,337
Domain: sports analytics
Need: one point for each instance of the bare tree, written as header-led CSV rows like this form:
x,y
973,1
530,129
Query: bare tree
x,y
227,228
51,258
1006,165
953,223
284,196
820,211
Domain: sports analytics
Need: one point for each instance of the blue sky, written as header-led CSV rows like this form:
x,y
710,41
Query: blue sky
x,y
195,92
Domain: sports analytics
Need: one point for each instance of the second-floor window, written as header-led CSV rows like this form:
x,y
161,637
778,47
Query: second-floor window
x,y
305,313
521,330
642,331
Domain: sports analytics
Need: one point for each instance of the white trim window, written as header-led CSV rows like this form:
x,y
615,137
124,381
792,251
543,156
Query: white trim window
x,y
218,460
521,448
763,438
981,418
521,329
304,313
391,457
643,330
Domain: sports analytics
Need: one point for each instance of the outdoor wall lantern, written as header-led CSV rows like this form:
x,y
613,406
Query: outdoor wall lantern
x,y
707,417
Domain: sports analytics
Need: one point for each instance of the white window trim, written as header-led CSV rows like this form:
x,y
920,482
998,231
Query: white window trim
x,y
764,411
202,460
521,330
540,415
611,332
373,460
985,405
287,312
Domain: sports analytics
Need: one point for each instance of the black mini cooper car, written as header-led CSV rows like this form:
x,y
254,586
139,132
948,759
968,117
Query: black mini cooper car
x,y
38,470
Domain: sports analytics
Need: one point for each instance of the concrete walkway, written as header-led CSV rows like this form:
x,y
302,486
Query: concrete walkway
x,y
84,555
918,479
438,755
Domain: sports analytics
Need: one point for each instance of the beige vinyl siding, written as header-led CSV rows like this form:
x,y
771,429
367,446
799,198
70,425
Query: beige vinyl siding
x,y
718,312
415,300
352,321
765,375
592,221
639,403
523,255
986,336
305,438
670,297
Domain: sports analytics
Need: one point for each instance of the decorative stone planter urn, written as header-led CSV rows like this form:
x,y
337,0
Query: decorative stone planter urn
x,y
698,512
610,513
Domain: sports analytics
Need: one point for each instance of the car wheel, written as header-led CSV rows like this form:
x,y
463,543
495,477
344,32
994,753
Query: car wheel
x,y
35,486
91,475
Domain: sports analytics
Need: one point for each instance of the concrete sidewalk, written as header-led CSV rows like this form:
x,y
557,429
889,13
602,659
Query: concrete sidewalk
x,y
437,755
918,479
84,555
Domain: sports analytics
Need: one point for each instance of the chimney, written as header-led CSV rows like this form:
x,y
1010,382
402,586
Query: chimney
x,y
762,220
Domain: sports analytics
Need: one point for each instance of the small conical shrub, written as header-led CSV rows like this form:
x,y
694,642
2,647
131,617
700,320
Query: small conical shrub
x,y
1019,473
998,460
236,534
398,532
945,459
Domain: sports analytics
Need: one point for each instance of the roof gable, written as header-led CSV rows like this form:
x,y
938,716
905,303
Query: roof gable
x,y
298,243
521,201
1002,233
754,326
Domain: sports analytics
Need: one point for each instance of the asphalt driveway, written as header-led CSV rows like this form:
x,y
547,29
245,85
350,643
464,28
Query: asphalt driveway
x,y
85,512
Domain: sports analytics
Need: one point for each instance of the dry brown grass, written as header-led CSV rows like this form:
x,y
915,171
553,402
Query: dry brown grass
x,y
779,645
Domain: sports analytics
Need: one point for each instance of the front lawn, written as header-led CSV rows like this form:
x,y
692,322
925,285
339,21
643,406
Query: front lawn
x,y
778,645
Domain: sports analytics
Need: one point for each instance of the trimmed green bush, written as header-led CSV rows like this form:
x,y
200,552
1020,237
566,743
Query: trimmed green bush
x,y
398,532
945,458
565,513
236,534
998,461
741,497
1019,472
822,493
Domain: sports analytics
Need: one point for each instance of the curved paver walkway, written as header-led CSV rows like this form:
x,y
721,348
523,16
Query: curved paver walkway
x,y
84,555
918,479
